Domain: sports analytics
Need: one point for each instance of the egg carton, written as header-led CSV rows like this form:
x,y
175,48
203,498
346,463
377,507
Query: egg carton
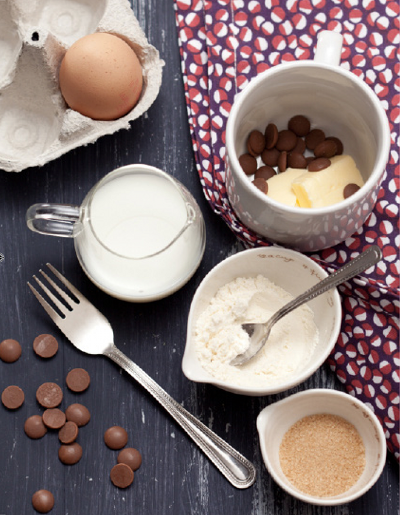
x,y
36,125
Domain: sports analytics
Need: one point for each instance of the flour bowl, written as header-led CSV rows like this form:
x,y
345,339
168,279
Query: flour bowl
x,y
288,270
277,418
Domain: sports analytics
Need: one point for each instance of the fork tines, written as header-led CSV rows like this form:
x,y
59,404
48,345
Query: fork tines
x,y
68,303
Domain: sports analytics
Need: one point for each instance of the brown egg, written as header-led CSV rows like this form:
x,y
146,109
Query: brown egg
x,y
101,76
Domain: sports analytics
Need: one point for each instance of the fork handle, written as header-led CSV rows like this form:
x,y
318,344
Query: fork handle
x,y
235,467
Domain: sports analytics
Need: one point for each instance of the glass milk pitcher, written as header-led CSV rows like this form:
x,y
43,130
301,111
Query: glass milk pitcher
x,y
139,234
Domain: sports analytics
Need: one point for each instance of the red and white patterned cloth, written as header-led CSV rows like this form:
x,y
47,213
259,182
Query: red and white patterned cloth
x,y
224,44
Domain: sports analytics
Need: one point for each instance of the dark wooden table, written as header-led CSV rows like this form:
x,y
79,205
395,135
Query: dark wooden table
x,y
175,477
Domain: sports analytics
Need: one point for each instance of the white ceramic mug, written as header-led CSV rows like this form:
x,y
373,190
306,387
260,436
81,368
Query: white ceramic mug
x,y
336,101
139,234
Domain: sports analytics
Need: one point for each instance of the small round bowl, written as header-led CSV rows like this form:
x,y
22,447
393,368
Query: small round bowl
x,y
286,268
275,420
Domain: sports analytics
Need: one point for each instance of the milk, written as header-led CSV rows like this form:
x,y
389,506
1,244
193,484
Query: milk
x,y
145,237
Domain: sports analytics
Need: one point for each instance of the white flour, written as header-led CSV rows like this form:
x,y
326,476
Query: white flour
x,y
219,336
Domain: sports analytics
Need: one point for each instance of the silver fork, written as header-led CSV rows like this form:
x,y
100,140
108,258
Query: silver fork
x,y
91,332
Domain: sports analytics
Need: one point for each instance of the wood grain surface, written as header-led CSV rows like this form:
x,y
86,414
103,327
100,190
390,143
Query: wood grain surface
x,y
175,477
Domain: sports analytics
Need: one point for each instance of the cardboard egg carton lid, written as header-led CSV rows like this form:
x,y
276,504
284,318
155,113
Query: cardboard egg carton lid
x,y
36,125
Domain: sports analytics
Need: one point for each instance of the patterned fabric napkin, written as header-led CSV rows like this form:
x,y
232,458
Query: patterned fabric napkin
x,y
224,44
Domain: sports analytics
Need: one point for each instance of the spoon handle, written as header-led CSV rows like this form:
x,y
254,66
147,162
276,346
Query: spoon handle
x,y
366,259
235,467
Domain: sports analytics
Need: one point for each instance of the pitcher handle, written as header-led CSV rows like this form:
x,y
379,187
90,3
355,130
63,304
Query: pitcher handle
x,y
329,47
54,219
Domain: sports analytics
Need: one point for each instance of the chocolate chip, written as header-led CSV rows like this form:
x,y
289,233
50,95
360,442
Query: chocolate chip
x,y
12,397
45,345
325,149
10,350
49,395
116,437
34,427
319,164
248,164
78,380
271,135
43,501
255,143
270,156
264,172
286,140
121,475
78,413
70,454
350,189
314,137
282,161
261,184
300,146
53,418
68,433
130,457
339,144
300,125
297,160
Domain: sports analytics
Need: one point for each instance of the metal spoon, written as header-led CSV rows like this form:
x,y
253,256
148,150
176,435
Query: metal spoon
x,y
259,332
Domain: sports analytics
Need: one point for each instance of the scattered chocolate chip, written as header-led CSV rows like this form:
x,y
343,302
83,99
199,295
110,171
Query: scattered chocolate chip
x,y
12,397
261,184
299,124
121,475
319,164
325,149
49,395
34,427
309,159
68,433
264,172
282,161
350,189
70,454
43,501
78,413
300,146
130,457
10,350
286,140
314,137
248,164
271,135
255,143
339,144
78,380
270,156
45,345
53,418
297,160
116,437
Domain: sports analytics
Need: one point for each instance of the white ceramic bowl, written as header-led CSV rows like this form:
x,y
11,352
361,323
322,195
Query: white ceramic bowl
x,y
275,420
286,268
334,100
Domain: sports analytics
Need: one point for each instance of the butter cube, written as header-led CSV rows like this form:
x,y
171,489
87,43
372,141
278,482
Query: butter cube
x,y
324,188
280,186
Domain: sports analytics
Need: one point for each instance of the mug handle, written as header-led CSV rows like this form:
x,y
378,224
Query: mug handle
x,y
329,47
54,219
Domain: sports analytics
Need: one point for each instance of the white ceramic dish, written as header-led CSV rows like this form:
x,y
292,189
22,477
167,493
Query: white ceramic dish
x,y
275,420
288,269
334,100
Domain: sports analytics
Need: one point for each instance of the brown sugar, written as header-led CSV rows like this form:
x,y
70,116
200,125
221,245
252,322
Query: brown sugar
x,y
322,455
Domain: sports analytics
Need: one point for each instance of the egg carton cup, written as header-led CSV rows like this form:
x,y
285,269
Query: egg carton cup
x,y
36,125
